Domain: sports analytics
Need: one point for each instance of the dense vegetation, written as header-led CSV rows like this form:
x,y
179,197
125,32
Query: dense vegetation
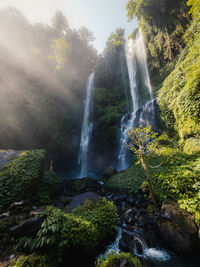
x,y
20,178
43,73
83,229
174,169
114,259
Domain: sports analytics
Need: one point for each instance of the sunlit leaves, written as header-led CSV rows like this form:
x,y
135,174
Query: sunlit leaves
x,y
143,140
61,51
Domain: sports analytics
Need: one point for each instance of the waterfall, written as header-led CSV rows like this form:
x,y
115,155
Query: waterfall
x,y
137,68
139,248
87,126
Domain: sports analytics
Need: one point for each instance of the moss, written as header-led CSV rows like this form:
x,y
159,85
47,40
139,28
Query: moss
x,y
114,259
128,181
103,214
29,261
192,146
20,178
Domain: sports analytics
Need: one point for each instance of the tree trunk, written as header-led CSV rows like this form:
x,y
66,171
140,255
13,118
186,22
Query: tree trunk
x,y
170,54
152,194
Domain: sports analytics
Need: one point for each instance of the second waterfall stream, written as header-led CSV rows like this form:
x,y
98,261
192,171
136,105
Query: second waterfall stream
x,y
138,77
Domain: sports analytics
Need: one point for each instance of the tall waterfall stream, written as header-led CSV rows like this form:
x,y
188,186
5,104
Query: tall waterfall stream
x,y
86,129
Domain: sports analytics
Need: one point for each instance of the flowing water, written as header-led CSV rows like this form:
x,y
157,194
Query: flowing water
x,y
156,257
87,126
137,70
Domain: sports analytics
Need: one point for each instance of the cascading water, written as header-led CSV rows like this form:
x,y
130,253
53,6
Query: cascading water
x,y
86,129
137,66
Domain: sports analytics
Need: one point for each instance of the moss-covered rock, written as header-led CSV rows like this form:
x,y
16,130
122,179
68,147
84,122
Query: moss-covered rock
x,y
128,181
20,177
30,261
82,229
122,259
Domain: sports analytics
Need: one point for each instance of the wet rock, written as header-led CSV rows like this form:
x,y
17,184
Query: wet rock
x,y
177,229
81,199
126,242
130,200
108,173
4,215
73,186
120,198
27,228
36,212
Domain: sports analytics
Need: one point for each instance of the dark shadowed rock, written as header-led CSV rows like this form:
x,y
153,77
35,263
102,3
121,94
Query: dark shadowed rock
x,y
73,186
27,228
81,199
177,229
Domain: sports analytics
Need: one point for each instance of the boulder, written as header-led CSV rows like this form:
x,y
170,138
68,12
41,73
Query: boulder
x,y
73,186
27,228
177,229
81,199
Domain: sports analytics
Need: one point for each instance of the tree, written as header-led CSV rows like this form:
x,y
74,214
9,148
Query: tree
x,y
164,14
61,51
115,42
59,22
85,35
142,142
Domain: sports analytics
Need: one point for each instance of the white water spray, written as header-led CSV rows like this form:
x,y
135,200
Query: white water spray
x,y
136,59
86,129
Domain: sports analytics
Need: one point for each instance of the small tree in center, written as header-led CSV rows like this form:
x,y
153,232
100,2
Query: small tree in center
x,y
142,142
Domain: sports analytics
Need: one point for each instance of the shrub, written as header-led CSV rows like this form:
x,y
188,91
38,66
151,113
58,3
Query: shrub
x,y
114,259
83,228
179,97
48,187
19,178
178,178
103,214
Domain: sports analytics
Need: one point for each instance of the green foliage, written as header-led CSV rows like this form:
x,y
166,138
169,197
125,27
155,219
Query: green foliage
x,y
83,228
5,225
103,214
61,51
20,178
29,261
179,97
177,176
195,9
142,140
60,231
114,259
192,146
48,187
115,42
128,181
163,23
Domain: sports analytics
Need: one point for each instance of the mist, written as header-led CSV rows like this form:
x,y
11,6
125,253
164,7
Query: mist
x,y
43,71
